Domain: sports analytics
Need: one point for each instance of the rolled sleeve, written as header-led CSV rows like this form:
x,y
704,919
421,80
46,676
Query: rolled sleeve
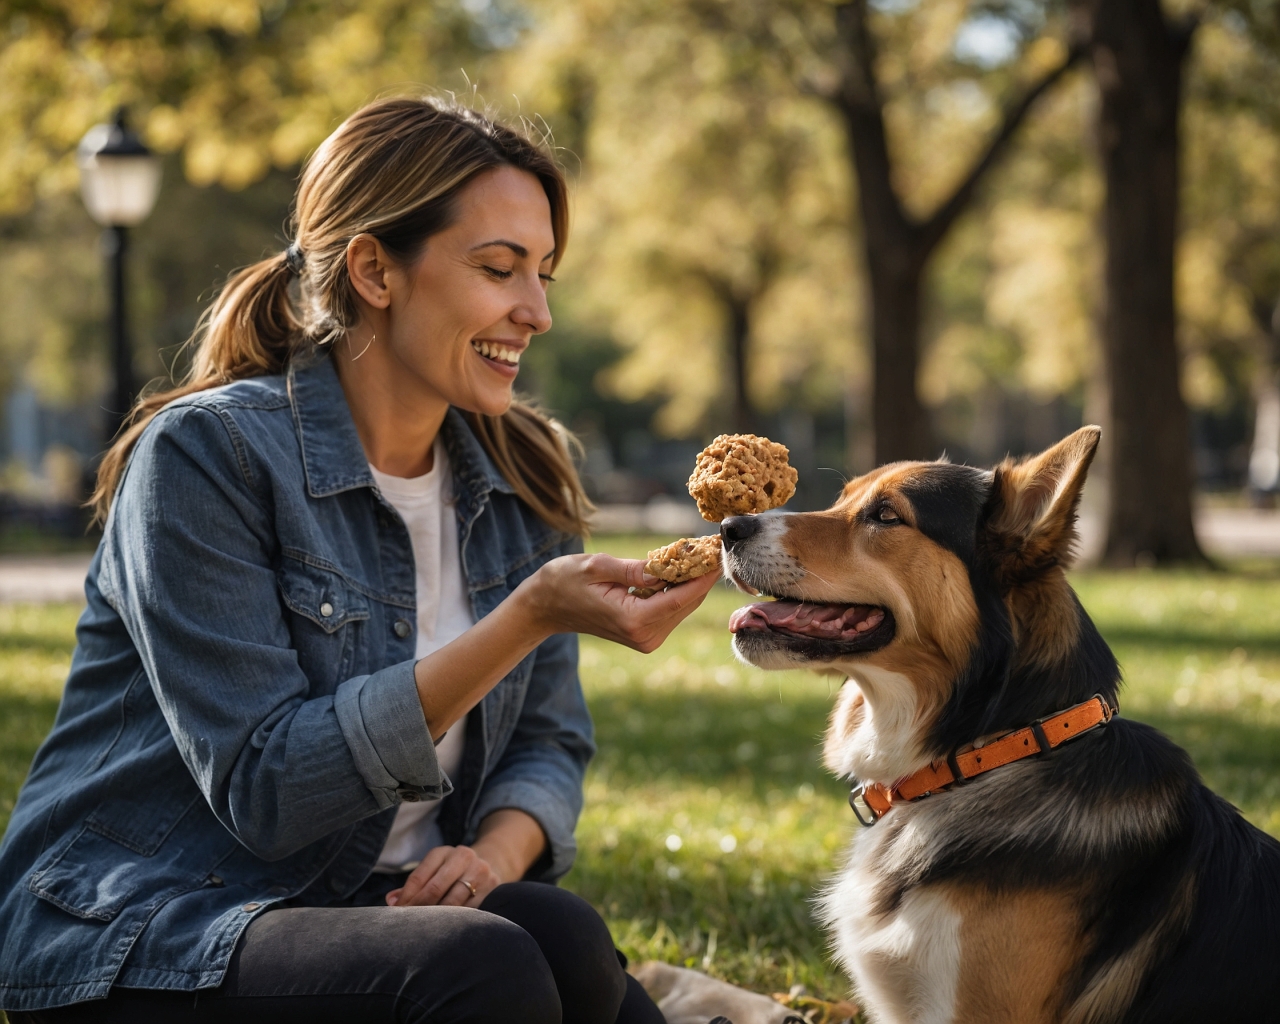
x,y
381,719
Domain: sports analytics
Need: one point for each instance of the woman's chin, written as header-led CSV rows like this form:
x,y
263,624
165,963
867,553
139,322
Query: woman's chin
x,y
486,402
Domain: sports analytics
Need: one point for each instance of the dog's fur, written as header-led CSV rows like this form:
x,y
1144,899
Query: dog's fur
x,y
1102,882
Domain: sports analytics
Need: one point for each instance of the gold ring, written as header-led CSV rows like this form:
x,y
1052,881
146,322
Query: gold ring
x,y
469,886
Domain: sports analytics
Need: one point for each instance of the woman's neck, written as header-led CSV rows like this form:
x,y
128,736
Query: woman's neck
x,y
396,415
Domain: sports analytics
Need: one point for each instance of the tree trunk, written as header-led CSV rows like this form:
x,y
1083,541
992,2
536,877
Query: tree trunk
x,y
899,420
896,245
1264,452
739,329
1138,58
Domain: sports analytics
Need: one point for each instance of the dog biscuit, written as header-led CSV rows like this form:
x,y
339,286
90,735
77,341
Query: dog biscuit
x,y
741,474
681,561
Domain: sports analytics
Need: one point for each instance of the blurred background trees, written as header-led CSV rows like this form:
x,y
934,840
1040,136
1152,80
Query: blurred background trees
x,y
872,229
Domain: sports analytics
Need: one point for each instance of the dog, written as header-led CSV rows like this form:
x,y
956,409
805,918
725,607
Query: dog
x,y
1030,856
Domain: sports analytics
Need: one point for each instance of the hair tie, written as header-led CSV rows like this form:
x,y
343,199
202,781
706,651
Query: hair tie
x,y
295,259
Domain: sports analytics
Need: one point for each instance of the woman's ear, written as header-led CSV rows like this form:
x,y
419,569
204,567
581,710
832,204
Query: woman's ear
x,y
367,266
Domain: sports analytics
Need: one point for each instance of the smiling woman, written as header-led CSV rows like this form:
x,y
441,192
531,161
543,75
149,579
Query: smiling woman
x,y
323,735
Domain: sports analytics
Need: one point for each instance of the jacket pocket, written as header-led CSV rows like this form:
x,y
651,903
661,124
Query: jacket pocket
x,y
92,877
321,595
324,614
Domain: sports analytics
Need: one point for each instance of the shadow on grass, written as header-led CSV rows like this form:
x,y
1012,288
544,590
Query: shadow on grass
x,y
1174,636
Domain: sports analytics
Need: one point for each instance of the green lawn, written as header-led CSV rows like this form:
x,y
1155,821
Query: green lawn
x,y
709,820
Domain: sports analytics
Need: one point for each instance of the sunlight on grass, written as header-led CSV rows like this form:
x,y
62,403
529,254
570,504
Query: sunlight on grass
x,y
710,823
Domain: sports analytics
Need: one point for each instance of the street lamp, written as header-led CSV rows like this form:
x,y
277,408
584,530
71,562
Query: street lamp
x,y
119,180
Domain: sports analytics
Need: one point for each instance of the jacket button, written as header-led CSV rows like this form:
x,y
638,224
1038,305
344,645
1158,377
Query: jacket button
x,y
215,880
402,628
326,609
409,794
249,908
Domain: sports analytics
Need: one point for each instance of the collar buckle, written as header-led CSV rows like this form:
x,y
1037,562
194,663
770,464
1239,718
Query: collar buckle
x,y
862,810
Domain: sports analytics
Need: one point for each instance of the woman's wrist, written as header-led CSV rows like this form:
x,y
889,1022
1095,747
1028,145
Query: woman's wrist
x,y
510,841
528,607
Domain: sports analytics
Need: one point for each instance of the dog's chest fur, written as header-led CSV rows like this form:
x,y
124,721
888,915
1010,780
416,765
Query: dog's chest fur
x,y
905,963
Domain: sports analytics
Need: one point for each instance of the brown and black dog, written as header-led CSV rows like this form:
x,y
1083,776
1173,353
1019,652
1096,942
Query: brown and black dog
x,y
1095,881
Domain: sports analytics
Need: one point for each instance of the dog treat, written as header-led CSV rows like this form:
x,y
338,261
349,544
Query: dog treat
x,y
741,474
685,559
681,561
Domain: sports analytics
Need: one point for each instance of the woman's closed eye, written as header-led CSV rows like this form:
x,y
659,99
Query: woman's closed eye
x,y
498,272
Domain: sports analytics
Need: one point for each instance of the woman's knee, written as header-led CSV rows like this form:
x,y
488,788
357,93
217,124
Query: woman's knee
x,y
512,980
575,942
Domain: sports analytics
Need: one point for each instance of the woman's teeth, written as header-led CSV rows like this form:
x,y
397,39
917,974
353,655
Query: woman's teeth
x,y
502,355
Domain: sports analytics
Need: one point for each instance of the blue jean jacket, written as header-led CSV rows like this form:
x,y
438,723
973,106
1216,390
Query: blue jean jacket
x,y
241,719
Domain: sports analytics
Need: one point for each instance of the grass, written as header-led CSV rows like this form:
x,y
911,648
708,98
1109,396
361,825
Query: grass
x,y
710,823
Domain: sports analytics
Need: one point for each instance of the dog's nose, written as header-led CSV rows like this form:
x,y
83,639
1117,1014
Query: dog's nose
x,y
738,528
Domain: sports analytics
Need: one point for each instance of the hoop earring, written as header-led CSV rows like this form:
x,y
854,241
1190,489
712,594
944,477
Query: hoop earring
x,y
372,339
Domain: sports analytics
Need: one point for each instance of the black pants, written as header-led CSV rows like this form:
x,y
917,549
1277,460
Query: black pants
x,y
532,953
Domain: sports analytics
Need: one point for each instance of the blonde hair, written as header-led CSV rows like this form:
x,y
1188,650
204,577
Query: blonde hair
x,y
393,169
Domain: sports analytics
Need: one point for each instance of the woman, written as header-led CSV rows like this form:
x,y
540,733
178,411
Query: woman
x,y
324,715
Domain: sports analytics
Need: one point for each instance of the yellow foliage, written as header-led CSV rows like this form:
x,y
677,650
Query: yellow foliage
x,y
1044,264
239,85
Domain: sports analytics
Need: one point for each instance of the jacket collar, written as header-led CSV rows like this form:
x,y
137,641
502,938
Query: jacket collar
x,y
332,456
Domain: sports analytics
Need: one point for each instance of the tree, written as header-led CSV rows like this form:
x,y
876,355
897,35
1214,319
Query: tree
x,y
707,241
1138,59
897,244
1229,254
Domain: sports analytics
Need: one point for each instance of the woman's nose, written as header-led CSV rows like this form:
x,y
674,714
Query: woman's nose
x,y
534,312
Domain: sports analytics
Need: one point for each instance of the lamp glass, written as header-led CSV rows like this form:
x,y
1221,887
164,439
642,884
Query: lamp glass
x,y
119,191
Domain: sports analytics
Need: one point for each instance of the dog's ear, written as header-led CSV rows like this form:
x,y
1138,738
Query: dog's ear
x,y
1031,515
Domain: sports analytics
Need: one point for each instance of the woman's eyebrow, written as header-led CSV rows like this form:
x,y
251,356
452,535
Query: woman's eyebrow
x,y
515,247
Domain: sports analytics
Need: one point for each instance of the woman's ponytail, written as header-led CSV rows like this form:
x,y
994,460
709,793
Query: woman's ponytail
x,y
248,331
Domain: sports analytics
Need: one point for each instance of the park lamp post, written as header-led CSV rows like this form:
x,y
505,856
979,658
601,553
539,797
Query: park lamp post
x,y
119,181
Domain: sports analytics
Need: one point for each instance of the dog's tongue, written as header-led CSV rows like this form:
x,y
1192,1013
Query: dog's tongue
x,y
826,621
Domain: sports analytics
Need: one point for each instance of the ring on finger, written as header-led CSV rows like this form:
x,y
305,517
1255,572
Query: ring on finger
x,y
468,885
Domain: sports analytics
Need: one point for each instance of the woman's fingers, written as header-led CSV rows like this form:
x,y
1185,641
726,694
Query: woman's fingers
x,y
449,876
589,594
477,881
431,879
619,572
658,615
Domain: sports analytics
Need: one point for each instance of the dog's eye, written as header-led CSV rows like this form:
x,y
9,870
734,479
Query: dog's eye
x,y
888,515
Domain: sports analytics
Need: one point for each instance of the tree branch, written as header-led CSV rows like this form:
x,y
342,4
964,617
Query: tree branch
x,y
858,99
934,229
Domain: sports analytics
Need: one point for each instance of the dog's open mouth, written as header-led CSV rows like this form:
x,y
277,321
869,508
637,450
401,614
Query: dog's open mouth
x,y
812,629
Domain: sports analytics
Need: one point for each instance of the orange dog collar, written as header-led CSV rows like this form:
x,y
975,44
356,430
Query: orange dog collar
x,y
1040,737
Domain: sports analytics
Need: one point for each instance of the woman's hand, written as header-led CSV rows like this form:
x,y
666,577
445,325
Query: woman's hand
x,y
589,594
508,843
570,594
449,876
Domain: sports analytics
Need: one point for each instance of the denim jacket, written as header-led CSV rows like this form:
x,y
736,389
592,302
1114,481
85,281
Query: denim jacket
x,y
241,719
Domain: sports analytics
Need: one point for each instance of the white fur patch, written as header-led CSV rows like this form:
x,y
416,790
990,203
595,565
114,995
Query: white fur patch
x,y
886,744
905,964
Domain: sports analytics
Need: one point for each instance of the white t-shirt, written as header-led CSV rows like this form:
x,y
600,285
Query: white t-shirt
x,y
426,504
